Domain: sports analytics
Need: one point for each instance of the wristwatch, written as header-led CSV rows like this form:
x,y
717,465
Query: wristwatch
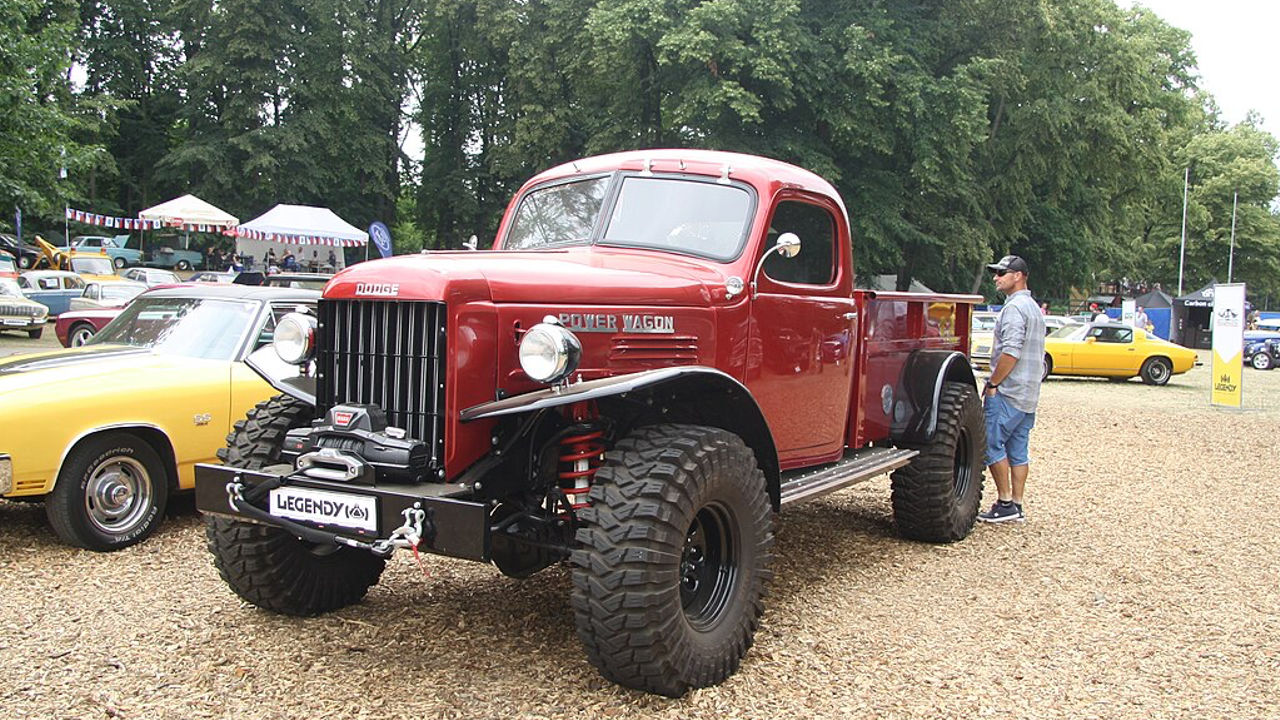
x,y
991,386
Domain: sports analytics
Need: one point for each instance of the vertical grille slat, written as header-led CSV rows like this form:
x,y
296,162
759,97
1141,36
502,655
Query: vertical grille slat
x,y
388,354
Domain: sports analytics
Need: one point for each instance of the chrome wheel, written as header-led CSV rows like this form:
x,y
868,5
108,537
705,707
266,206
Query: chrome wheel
x,y
118,495
80,335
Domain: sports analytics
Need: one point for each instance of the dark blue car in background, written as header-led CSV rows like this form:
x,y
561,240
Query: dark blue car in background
x,y
1262,349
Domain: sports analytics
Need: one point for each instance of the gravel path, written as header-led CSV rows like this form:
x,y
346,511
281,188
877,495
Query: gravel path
x,y
1144,585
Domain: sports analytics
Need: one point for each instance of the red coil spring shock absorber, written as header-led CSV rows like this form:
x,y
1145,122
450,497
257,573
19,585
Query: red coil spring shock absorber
x,y
581,454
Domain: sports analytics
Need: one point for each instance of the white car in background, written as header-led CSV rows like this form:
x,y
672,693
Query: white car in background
x,y
107,295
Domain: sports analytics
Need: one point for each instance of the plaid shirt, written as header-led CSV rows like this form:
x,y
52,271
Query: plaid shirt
x,y
1020,332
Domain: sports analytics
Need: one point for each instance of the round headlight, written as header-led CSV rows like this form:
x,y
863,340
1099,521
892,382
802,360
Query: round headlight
x,y
295,338
549,353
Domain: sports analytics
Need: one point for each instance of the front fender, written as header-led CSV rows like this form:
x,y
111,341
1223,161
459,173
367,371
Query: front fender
x,y
923,376
720,400
281,375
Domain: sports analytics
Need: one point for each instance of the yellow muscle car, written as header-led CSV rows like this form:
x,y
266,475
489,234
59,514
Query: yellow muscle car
x,y
1114,351
155,392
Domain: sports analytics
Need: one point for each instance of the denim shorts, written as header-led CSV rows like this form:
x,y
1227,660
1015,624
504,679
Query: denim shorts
x,y
1008,431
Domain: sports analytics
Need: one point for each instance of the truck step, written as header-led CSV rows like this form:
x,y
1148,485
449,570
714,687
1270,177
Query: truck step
x,y
854,467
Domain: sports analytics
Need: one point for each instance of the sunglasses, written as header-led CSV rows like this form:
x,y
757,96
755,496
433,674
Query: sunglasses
x,y
1002,273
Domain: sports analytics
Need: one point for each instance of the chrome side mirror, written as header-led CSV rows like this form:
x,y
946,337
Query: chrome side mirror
x,y
788,246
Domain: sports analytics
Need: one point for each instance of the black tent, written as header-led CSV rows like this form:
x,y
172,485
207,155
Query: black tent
x,y
1155,299
1193,317
1158,305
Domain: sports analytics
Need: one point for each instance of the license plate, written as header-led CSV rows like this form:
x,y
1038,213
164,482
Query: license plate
x,y
326,508
9,321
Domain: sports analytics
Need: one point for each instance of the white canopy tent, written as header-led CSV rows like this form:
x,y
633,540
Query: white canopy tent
x,y
190,212
310,233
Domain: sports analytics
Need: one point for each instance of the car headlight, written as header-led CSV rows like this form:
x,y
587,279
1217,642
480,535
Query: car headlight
x,y
295,338
548,352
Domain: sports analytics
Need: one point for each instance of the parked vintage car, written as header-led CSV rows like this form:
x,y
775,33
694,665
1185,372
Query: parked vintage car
x,y
151,277
213,276
93,267
166,253
310,281
24,255
157,391
1262,353
113,294
1115,351
982,325
113,247
18,313
52,288
76,327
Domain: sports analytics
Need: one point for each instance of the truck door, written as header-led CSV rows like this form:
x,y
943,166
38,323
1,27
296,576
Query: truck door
x,y
803,322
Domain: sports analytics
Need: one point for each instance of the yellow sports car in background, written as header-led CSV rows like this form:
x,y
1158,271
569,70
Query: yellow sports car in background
x,y
981,335
154,392
1114,351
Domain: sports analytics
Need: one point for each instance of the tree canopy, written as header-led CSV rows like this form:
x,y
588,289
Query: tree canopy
x,y
956,130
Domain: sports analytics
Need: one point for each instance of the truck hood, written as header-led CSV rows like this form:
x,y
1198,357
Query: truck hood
x,y
574,276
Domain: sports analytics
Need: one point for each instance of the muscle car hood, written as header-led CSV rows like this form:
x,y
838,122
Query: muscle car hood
x,y
95,369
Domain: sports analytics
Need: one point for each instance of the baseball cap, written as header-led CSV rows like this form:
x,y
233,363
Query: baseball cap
x,y
1010,263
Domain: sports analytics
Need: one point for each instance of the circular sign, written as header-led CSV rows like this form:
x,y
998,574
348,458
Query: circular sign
x,y
381,237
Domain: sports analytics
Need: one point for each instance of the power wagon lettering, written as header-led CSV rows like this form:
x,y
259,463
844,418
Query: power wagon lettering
x,y
641,324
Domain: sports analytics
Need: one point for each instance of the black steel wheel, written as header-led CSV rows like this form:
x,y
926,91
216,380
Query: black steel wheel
x,y
266,565
110,493
1156,371
674,553
936,496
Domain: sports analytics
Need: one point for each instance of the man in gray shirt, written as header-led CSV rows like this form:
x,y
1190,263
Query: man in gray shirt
x,y
1012,391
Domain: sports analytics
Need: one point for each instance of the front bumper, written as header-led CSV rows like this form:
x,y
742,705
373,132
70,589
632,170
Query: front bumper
x,y
21,323
451,526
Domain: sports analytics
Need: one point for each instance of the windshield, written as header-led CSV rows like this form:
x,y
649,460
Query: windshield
x,y
207,328
6,265
92,265
689,216
984,323
119,291
9,286
1069,332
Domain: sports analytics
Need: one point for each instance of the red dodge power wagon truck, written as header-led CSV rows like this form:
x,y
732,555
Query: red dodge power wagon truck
x,y
662,350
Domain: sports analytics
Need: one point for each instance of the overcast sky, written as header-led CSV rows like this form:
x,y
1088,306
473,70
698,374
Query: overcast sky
x,y
1235,42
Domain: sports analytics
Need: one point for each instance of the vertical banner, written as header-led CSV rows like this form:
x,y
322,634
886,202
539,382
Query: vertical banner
x,y
1228,344
1128,309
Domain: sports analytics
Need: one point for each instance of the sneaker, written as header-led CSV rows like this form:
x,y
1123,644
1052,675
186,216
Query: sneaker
x,y
1003,511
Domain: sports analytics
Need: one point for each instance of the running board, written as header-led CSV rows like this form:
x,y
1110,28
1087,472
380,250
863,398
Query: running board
x,y
854,467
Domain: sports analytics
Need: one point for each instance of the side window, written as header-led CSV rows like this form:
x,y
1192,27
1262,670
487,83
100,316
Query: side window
x,y
48,283
91,292
73,282
815,265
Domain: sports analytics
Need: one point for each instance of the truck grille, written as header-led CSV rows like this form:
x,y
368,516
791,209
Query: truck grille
x,y
389,354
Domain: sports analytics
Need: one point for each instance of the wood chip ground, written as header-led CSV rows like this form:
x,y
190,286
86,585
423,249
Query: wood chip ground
x,y
1143,585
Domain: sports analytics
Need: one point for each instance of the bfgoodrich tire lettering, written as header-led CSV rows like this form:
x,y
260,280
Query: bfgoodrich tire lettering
x,y
265,565
675,550
936,496
110,493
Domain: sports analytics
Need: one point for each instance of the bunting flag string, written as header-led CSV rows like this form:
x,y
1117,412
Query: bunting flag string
x,y
120,223
249,234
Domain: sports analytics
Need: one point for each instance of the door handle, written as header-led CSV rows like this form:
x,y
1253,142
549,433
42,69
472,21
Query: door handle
x,y
851,315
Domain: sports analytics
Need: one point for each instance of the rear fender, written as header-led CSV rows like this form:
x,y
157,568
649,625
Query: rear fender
x,y
923,376
694,394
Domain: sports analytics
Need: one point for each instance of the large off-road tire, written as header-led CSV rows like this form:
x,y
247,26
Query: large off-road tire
x,y
265,565
674,553
1156,371
110,493
936,496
